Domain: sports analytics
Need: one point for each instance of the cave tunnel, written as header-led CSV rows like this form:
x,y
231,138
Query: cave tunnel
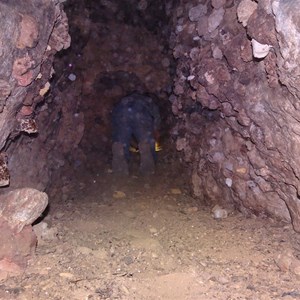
x,y
219,218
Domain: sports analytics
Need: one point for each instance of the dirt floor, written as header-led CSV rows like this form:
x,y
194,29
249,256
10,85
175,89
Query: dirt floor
x,y
143,238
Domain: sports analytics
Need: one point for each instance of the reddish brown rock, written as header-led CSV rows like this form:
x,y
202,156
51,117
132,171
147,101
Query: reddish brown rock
x,y
60,38
252,142
22,207
26,110
22,70
28,32
16,248
18,210
261,26
26,58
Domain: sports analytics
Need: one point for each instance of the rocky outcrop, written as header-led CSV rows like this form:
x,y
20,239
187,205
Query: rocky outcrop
x,y
236,98
31,32
26,54
18,210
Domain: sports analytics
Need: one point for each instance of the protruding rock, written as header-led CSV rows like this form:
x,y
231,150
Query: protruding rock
x,y
245,10
28,34
4,173
218,3
22,207
5,90
215,19
60,38
22,70
15,249
28,125
196,12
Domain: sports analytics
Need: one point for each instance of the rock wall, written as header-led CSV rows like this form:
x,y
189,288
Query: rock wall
x,y
236,99
31,32
118,47
55,109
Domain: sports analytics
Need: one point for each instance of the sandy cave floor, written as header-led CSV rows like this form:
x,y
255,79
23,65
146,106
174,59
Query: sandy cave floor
x,y
148,239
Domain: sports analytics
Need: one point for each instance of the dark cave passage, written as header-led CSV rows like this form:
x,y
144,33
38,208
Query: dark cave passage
x,y
223,74
115,51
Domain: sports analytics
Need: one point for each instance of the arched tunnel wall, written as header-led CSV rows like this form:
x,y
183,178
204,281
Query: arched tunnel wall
x,y
235,91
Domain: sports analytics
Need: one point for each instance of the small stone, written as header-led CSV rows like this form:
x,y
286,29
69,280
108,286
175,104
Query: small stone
x,y
196,12
119,195
44,233
166,62
260,50
100,253
128,260
215,19
219,212
228,182
153,230
66,275
244,11
26,110
72,77
241,170
142,5
295,266
176,191
222,280
192,209
59,215
218,3
202,26
43,91
84,250
217,53
284,260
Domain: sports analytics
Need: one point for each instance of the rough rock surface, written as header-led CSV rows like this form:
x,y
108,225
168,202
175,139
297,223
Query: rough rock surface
x,y
115,51
22,207
18,210
26,55
154,242
15,249
46,128
237,120
31,32
237,116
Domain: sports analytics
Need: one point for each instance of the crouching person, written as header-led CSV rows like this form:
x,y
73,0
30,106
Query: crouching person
x,y
135,116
